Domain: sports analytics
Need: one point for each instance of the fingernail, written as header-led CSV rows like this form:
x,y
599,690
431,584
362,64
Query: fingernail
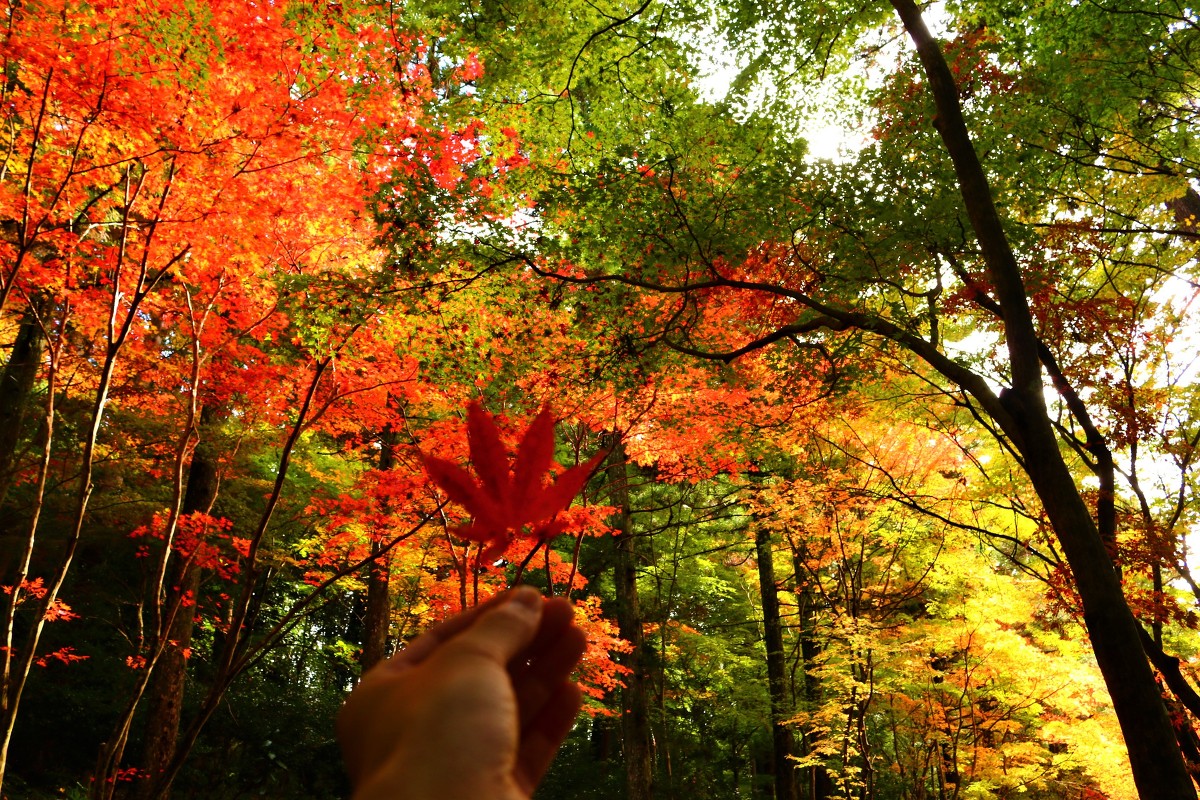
x,y
528,597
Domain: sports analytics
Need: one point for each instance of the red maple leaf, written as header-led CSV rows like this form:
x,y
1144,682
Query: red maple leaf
x,y
509,500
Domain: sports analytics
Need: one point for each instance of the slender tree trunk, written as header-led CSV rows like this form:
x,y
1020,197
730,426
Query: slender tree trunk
x,y
819,785
782,741
130,294
600,738
166,690
378,615
231,657
735,766
635,716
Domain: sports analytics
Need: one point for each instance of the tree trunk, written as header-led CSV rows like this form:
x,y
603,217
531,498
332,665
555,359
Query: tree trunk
x,y
781,735
378,615
1154,754
164,695
16,384
379,611
635,716
818,785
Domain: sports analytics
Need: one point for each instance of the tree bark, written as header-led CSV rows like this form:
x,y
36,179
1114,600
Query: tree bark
x,y
164,695
783,744
1158,766
378,616
818,785
635,714
377,619
16,384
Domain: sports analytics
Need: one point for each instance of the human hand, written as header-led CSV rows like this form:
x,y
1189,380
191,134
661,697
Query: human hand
x,y
474,709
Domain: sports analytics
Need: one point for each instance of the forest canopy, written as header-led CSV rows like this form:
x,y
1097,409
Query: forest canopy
x,y
883,455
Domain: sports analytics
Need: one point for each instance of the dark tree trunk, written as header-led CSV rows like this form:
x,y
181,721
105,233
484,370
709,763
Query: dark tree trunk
x,y
379,612
635,716
600,740
16,384
818,785
378,617
1158,766
164,695
783,744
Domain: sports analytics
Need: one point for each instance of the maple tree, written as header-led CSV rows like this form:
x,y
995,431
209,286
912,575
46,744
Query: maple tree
x,y
272,323
907,694
161,236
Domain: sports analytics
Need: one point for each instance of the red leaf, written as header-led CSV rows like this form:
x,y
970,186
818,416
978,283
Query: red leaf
x,y
504,502
473,533
495,549
488,455
553,499
534,457
460,487
550,529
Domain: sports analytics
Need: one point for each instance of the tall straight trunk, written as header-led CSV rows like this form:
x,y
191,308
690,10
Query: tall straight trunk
x,y
164,695
378,615
16,385
783,744
818,786
635,712
379,610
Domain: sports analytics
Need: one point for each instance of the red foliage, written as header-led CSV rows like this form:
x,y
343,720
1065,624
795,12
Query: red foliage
x,y
63,655
204,540
509,500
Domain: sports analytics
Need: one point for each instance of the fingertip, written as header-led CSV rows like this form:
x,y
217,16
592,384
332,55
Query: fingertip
x,y
507,628
577,640
561,606
417,650
527,597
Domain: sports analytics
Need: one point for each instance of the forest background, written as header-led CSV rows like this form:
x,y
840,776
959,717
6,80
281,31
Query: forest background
x,y
899,444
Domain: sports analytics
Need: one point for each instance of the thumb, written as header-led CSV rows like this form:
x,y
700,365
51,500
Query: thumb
x,y
505,630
